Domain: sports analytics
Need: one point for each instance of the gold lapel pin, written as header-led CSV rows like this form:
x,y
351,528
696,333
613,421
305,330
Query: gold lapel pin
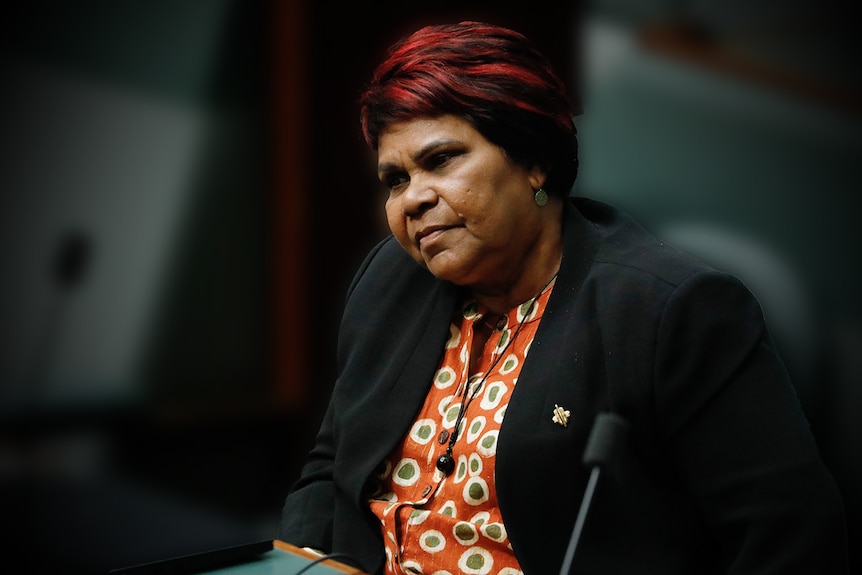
x,y
561,416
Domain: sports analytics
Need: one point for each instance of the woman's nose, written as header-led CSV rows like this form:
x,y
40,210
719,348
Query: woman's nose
x,y
417,198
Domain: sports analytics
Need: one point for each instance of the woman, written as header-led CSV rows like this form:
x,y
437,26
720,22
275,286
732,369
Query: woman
x,y
480,341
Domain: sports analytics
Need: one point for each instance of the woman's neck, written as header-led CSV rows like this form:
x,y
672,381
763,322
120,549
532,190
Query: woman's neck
x,y
529,284
530,271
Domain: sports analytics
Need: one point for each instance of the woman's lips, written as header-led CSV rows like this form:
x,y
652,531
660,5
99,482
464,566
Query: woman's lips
x,y
429,234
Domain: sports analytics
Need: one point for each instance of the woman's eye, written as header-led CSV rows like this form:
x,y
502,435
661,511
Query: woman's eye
x,y
440,159
395,181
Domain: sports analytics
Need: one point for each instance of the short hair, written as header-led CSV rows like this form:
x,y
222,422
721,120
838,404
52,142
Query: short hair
x,y
491,76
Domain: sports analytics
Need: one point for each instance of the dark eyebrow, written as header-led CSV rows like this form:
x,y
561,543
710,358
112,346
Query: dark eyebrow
x,y
417,157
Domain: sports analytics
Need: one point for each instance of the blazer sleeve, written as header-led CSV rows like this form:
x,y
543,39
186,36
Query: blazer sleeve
x,y
308,513
737,435
319,512
309,509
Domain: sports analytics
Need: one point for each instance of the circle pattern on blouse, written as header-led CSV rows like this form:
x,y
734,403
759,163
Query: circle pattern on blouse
x,y
451,525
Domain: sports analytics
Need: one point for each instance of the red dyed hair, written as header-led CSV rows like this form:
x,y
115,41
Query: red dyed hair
x,y
494,78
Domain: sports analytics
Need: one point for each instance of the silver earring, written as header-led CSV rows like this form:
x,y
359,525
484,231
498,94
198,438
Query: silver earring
x,y
541,197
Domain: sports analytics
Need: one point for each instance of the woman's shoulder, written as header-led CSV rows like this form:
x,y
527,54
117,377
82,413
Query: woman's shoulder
x,y
625,246
388,272
387,259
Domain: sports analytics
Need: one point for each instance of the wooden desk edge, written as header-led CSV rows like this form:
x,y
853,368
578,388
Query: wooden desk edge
x,y
338,566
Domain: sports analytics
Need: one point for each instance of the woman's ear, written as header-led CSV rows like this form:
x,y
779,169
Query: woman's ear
x,y
537,176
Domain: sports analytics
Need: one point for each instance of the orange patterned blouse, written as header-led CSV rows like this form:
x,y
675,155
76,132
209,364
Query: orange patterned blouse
x,y
450,524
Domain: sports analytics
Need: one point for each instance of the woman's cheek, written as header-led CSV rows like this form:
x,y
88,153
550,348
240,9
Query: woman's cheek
x,y
395,218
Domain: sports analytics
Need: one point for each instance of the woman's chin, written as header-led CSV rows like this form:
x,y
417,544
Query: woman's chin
x,y
455,274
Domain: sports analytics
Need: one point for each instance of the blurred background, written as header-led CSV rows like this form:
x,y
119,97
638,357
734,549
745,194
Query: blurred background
x,y
184,197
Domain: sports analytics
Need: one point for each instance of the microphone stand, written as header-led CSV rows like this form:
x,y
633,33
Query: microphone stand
x,y
603,446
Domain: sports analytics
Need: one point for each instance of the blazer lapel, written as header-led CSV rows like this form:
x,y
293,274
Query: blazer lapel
x,y
548,353
389,411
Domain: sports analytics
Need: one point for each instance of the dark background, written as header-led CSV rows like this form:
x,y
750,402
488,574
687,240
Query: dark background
x,y
184,196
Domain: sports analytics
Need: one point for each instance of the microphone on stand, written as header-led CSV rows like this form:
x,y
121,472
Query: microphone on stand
x,y
603,446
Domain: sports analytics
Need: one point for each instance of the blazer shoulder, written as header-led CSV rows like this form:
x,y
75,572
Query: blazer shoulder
x,y
390,284
387,259
628,247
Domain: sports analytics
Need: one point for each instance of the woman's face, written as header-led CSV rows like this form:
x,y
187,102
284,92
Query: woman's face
x,y
456,202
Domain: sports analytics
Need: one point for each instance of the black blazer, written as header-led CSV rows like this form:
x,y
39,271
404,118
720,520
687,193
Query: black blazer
x,y
719,473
